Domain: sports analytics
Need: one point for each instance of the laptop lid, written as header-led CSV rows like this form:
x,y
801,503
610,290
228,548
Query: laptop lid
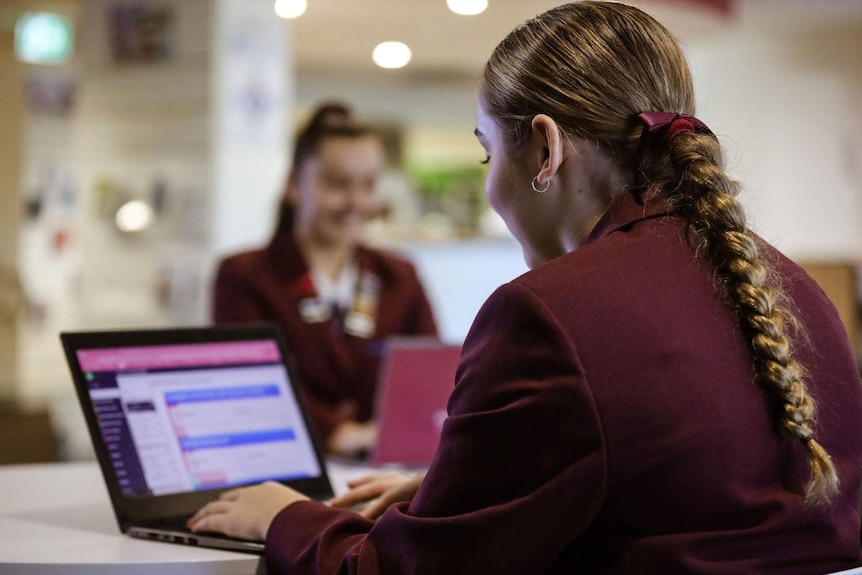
x,y
177,416
416,378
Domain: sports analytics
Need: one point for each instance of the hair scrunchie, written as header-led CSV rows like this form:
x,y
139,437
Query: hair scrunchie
x,y
668,125
656,122
659,129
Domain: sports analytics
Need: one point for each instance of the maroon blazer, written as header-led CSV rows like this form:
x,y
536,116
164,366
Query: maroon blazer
x,y
337,370
605,420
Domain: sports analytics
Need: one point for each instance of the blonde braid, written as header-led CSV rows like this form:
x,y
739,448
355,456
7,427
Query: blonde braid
x,y
717,226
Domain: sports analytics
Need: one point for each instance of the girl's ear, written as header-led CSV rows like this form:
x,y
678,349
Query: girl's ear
x,y
548,141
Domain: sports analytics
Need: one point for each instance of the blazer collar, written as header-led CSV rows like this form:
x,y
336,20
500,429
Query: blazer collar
x,y
628,209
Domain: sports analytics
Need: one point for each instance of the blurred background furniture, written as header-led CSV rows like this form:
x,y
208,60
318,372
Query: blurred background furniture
x,y
840,281
26,435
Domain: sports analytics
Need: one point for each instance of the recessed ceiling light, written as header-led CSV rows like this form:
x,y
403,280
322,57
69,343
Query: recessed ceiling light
x,y
134,216
467,7
290,8
391,55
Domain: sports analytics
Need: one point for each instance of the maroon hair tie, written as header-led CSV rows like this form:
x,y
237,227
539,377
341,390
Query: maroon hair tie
x,y
659,129
670,125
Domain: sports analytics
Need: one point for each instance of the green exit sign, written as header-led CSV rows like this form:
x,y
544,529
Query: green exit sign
x,y
43,38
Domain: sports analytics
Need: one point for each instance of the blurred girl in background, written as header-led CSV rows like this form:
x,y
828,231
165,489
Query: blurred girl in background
x,y
334,298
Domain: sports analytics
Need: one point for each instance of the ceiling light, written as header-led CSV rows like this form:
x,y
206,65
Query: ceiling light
x,y
467,7
134,216
391,55
290,8
43,38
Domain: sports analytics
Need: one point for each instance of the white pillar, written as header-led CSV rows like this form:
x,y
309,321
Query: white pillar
x,y
252,96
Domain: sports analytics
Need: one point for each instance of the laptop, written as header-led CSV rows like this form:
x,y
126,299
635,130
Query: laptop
x,y
177,416
416,378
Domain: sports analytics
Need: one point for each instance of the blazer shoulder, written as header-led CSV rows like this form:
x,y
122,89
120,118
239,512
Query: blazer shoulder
x,y
568,271
241,262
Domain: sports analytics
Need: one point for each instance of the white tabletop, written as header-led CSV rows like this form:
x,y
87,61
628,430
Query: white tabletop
x,y
57,519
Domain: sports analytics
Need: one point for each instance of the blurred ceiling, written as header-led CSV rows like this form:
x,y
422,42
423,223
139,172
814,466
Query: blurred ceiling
x,y
337,36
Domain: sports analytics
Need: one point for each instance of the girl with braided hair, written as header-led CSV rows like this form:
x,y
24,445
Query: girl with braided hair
x,y
664,392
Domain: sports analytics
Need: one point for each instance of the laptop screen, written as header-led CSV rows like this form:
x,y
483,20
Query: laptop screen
x,y
416,379
184,417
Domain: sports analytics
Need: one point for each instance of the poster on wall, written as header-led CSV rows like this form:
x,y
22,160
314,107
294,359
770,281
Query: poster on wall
x,y
253,80
140,32
50,92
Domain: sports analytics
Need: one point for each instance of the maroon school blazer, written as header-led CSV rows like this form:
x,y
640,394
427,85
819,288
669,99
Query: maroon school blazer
x,y
605,420
337,371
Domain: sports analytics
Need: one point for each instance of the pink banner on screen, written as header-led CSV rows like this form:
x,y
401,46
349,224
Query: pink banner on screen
x,y
185,355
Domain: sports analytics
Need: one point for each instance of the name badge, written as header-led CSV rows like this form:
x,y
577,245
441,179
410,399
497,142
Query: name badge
x,y
313,310
361,320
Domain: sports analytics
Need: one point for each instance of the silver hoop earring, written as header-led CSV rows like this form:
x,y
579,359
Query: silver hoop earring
x,y
537,189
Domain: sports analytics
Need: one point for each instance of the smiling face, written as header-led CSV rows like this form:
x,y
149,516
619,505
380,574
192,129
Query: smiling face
x,y
335,190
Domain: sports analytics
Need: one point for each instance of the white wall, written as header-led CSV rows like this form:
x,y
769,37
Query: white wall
x,y
785,102
141,123
459,277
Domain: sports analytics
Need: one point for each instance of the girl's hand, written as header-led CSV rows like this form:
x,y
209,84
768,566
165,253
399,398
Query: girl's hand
x,y
247,512
382,490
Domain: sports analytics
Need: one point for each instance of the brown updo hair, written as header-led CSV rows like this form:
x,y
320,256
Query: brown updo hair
x,y
329,119
593,67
